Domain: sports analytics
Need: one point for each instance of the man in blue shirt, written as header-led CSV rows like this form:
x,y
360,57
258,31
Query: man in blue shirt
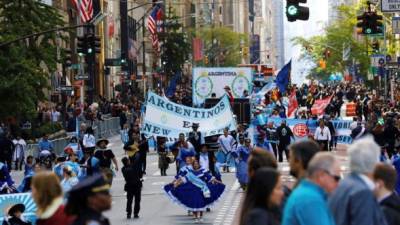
x,y
307,205
45,144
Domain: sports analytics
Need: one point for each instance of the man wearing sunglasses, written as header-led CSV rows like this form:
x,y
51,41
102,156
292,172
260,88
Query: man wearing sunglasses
x,y
307,205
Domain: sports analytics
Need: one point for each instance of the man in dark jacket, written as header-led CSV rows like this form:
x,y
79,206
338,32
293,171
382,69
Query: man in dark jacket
x,y
385,180
133,174
195,138
284,134
6,150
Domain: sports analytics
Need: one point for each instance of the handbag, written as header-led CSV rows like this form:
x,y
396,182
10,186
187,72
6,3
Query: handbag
x,y
170,158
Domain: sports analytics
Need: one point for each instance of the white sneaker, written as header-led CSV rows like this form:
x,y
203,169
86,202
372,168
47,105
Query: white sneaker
x,y
201,220
196,220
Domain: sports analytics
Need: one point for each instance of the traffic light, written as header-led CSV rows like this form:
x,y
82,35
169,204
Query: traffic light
x,y
68,57
370,23
296,12
94,44
82,45
123,58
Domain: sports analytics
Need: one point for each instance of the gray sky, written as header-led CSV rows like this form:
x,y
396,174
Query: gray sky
x,y
314,26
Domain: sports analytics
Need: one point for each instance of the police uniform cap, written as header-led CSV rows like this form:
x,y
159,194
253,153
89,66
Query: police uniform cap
x,y
91,185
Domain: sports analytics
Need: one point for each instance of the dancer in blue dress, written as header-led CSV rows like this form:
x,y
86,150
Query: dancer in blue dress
x,y
185,148
194,188
241,155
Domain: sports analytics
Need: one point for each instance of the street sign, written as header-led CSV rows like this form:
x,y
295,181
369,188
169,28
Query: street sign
x,y
376,60
65,88
76,66
112,62
82,77
396,25
390,5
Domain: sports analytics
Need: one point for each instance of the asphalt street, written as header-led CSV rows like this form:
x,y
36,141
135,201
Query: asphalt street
x,y
156,208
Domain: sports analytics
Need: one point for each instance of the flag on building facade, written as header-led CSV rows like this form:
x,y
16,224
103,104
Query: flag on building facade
x,y
197,49
85,9
153,25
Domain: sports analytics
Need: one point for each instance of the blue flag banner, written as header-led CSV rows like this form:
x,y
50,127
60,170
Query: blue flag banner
x,y
172,84
165,118
9,200
283,77
302,128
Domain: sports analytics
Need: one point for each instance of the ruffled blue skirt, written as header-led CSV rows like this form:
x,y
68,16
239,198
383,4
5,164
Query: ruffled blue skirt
x,y
191,197
241,172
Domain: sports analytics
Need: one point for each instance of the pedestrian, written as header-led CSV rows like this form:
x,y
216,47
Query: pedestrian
x,y
6,182
385,181
163,159
133,184
391,133
302,152
185,148
307,204
226,143
263,195
90,163
259,158
89,140
272,138
284,135
196,138
241,155
124,134
353,201
106,157
15,214
88,200
332,130
28,165
6,151
69,180
48,196
143,149
322,135
194,188
19,152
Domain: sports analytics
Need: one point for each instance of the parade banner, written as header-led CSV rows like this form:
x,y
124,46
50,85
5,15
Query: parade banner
x,y
319,105
165,118
213,80
9,200
302,128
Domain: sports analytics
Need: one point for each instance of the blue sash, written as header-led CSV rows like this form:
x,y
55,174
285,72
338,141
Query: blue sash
x,y
195,180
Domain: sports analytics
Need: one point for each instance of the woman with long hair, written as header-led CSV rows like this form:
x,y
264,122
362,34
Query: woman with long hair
x,y
48,196
263,197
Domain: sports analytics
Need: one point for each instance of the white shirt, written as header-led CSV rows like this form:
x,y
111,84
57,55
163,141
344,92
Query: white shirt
x,y
55,116
353,125
89,141
203,161
322,134
226,143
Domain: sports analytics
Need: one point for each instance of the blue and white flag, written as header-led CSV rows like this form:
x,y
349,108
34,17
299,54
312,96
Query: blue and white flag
x,y
9,200
167,119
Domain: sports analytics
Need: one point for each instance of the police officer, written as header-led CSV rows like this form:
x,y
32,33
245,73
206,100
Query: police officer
x,y
88,200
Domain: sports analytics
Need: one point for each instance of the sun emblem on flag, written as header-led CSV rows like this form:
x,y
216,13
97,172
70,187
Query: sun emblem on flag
x,y
164,118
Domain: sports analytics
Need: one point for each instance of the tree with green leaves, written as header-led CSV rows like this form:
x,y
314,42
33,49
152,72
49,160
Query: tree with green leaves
x,y
23,79
222,45
175,45
338,48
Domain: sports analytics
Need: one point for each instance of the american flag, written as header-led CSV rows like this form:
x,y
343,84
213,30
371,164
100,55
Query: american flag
x,y
152,25
85,9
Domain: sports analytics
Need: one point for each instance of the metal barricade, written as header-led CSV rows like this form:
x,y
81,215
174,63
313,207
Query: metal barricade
x,y
102,129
